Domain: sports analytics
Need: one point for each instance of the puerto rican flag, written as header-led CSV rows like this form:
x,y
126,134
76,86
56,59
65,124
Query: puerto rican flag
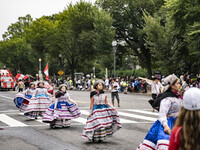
x,y
21,76
46,72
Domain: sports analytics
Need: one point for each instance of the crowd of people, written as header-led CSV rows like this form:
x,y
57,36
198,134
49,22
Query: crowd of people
x,y
129,83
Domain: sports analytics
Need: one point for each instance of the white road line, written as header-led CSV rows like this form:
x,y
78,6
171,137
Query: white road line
x,y
6,97
127,121
142,111
144,98
137,116
84,112
38,120
8,111
80,120
10,121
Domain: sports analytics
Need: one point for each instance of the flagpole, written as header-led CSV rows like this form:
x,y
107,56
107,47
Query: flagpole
x,y
40,72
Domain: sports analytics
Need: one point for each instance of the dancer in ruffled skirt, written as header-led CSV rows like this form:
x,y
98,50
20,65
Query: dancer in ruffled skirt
x,y
39,102
22,99
62,111
158,136
103,120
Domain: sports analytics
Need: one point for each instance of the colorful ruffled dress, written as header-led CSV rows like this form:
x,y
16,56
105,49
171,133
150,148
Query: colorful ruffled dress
x,y
104,120
156,138
65,110
21,100
38,104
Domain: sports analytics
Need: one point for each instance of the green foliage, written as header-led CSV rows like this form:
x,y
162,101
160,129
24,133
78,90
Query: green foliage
x,y
15,54
128,22
17,30
156,34
135,72
159,41
140,73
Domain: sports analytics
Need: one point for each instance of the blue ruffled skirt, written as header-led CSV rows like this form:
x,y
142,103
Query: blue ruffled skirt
x,y
19,100
60,116
41,95
156,137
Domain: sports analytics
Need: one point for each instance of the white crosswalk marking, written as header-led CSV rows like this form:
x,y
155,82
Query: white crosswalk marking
x,y
142,111
6,97
80,120
10,121
38,120
84,112
132,114
137,116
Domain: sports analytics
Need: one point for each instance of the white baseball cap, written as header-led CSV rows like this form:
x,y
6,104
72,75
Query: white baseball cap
x,y
191,99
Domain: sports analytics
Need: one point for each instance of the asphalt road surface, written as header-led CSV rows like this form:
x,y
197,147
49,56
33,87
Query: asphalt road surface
x,y
21,133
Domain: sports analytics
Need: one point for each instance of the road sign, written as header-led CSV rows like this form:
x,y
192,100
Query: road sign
x,y
60,72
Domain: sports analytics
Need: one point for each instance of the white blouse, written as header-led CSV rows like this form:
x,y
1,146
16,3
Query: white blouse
x,y
99,98
65,97
29,91
39,91
169,107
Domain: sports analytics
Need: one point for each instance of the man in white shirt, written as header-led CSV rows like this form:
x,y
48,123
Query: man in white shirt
x,y
156,87
114,92
107,84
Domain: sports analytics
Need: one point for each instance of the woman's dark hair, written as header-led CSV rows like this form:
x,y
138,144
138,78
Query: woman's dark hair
x,y
31,84
61,87
95,87
58,94
39,84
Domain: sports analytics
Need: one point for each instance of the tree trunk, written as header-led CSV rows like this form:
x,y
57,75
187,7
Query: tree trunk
x,y
72,75
147,56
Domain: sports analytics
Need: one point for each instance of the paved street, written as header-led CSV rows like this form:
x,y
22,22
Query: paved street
x,y
21,133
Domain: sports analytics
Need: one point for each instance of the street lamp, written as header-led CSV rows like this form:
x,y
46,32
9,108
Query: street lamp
x,y
114,45
94,72
40,72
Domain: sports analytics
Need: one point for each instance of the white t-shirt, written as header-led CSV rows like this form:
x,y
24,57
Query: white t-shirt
x,y
107,82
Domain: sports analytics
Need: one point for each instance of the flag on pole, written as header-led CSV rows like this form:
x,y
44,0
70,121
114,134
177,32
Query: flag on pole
x,y
46,72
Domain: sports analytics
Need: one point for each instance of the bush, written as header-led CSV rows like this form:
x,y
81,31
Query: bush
x,y
124,73
140,72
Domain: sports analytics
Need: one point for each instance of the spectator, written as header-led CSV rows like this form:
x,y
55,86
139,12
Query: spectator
x,y
20,86
145,86
114,92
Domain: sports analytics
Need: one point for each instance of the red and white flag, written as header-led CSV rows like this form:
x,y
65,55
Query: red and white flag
x,y
19,76
46,72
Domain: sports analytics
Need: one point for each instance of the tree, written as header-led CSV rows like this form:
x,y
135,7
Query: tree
x,y
78,35
128,23
18,29
103,41
37,35
184,17
159,39
16,54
